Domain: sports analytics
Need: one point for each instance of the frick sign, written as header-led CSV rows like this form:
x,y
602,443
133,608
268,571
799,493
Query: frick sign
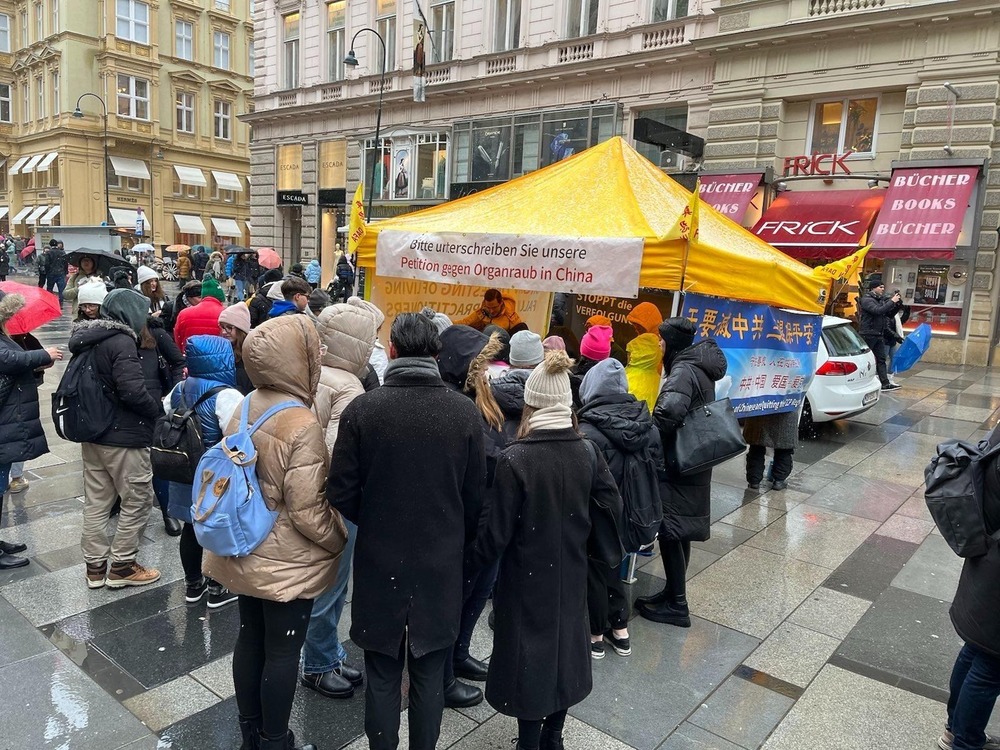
x,y
810,166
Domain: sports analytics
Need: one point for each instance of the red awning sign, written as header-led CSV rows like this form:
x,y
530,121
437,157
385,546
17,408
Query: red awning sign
x,y
924,208
829,219
729,194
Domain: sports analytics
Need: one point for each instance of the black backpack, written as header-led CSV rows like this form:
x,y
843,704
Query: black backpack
x,y
642,511
177,441
80,408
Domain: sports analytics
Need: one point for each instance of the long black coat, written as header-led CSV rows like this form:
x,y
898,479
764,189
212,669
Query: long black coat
x,y
22,437
409,469
539,521
687,500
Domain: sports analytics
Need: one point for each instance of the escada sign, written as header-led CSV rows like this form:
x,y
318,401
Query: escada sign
x,y
815,164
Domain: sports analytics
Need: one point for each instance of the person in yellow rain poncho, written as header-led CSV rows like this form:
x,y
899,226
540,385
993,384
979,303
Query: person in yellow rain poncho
x,y
645,361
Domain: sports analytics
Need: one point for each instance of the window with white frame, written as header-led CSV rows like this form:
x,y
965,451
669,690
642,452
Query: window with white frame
x,y
192,192
39,20
290,39
223,120
843,125
4,32
385,24
132,21
117,182
335,39
5,102
508,25
443,30
582,17
185,112
222,5
40,94
56,103
184,39
667,10
133,97
25,104
23,18
220,46
222,195
54,15
251,57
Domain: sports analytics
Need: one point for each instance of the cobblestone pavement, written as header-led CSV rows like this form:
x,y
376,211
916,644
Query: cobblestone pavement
x,y
821,614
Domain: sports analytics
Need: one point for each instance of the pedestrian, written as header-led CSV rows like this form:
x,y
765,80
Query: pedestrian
x,y
298,559
184,265
42,263
554,343
234,325
347,333
595,346
780,433
189,296
116,464
261,302
86,273
314,272
318,301
875,312
345,276
22,436
551,489
211,366
621,427
645,318
56,269
975,677
497,309
603,320
199,260
4,265
440,320
645,364
203,317
691,372
406,607
526,353
294,298
216,267
88,300
149,285
243,275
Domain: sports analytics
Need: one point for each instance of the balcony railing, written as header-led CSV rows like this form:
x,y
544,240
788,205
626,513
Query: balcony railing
x,y
576,52
505,64
833,7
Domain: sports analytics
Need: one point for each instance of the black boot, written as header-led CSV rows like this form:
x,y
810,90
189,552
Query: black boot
x,y
459,695
552,739
250,728
672,612
172,526
283,743
652,601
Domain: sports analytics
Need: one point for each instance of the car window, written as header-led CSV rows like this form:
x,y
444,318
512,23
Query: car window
x,y
843,341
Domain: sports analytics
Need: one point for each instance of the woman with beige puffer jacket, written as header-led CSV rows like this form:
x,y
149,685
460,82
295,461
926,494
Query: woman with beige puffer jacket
x,y
298,560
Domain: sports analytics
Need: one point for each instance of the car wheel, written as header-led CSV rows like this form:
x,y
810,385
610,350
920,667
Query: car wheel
x,y
807,428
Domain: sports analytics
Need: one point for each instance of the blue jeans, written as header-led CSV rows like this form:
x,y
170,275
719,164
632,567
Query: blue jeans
x,y
975,685
58,282
4,481
323,651
240,284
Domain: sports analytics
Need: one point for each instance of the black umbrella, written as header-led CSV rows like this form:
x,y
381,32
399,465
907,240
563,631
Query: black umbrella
x,y
104,259
235,249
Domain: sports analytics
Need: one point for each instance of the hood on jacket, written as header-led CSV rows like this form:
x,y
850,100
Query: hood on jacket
x,y
87,333
508,390
10,305
183,252
211,358
606,378
126,306
282,354
622,419
459,346
314,263
643,371
646,317
349,334
274,292
377,314
706,356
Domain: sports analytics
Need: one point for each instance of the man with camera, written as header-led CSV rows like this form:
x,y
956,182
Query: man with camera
x,y
876,311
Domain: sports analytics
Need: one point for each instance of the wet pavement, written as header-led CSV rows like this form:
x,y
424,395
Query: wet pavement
x,y
820,614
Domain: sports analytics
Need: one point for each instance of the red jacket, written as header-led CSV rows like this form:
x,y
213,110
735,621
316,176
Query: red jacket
x,y
203,318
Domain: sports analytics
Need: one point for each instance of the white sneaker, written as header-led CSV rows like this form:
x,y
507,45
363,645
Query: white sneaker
x,y
20,484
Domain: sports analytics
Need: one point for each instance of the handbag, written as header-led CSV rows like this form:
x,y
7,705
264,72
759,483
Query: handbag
x,y
709,435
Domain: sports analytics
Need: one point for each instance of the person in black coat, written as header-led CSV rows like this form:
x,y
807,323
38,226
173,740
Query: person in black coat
x,y
691,373
975,678
876,311
550,487
22,437
414,522
260,304
116,464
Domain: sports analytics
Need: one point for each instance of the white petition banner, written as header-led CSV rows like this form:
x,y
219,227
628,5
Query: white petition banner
x,y
579,265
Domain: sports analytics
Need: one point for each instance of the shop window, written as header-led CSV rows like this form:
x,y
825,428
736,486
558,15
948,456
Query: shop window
x,y
668,10
936,292
443,30
411,167
385,24
581,18
291,50
675,117
5,106
336,48
132,21
133,97
4,32
508,25
844,125
184,40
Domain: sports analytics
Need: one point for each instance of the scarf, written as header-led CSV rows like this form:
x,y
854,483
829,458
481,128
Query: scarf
x,y
426,366
558,417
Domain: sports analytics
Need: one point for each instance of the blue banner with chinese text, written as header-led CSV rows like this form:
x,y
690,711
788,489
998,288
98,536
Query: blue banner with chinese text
x,y
771,353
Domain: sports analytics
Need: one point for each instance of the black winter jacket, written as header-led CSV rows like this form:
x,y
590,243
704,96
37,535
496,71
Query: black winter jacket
x,y
57,264
875,314
116,356
508,390
687,500
22,437
161,379
260,306
620,426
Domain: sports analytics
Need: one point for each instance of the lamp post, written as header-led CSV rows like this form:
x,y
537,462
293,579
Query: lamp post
x,y
78,114
352,60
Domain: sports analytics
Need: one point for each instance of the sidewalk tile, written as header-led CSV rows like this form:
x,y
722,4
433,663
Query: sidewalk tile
x,y
742,712
902,461
932,571
906,528
454,726
863,497
793,654
18,639
815,535
753,516
724,539
217,676
871,568
853,453
497,733
171,702
830,612
691,737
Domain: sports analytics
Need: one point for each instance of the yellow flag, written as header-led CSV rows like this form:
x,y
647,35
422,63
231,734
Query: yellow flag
x,y
845,268
686,227
356,227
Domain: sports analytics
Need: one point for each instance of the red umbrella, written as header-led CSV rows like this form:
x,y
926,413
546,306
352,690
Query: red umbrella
x,y
40,307
28,249
268,258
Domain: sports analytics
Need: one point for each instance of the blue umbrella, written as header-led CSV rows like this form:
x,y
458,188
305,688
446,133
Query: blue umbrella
x,y
913,348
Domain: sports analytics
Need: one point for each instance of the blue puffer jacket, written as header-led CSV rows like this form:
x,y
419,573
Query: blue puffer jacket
x,y
210,363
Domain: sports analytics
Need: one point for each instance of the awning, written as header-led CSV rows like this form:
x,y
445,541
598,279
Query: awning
x,y
18,164
191,176
729,194
123,217
249,180
134,168
19,217
189,224
32,163
47,162
226,227
819,224
923,212
249,226
227,181
3,211
34,215
49,215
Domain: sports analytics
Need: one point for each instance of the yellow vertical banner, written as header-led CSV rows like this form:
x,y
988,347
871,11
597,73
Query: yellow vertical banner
x,y
356,227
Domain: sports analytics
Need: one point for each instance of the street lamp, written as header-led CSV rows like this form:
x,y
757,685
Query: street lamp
x,y
352,60
78,114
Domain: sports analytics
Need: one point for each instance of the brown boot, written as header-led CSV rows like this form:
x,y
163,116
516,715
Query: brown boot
x,y
96,573
131,574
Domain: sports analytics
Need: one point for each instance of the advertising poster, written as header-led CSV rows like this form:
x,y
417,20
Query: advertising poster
x,y
932,285
580,307
771,353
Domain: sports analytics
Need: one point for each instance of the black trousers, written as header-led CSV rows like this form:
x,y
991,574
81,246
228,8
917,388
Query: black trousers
x,y
881,352
191,554
476,592
383,698
675,556
606,602
529,731
780,469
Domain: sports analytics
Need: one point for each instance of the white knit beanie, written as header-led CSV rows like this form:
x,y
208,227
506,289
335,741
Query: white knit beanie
x,y
548,384
146,274
92,293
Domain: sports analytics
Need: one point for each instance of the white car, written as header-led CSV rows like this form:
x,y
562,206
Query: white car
x,y
846,383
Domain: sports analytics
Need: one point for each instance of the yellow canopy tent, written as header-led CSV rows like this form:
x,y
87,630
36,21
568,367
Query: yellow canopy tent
x,y
611,190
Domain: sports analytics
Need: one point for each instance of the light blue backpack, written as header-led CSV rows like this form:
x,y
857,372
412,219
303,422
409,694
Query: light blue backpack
x,y
231,517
